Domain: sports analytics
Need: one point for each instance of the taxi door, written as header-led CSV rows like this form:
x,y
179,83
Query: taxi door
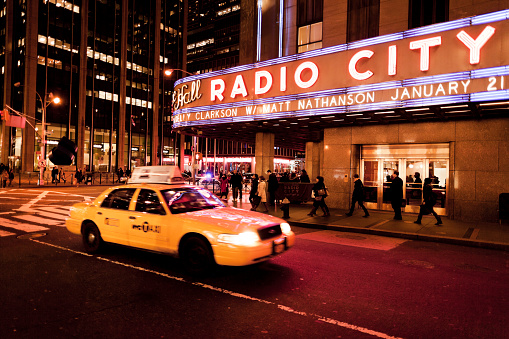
x,y
112,215
147,222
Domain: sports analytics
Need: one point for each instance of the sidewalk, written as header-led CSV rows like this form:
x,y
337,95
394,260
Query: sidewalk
x,y
478,234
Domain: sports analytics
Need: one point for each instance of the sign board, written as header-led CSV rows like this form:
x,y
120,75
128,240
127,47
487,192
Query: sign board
x,y
447,63
42,163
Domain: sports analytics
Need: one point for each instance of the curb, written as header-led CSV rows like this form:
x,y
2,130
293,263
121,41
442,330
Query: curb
x,y
411,236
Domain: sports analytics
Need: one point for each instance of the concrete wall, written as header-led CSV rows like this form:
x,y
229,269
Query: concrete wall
x,y
478,164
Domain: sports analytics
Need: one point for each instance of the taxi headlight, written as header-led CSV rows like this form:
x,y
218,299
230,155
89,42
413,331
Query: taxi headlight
x,y
285,228
242,239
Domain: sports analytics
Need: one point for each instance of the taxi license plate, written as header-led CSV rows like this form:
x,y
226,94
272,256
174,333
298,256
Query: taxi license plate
x,y
278,246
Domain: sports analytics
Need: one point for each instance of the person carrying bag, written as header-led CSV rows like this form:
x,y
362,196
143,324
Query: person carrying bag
x,y
320,193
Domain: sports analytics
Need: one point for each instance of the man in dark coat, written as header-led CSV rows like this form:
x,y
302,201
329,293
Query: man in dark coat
x,y
396,194
273,184
358,196
236,182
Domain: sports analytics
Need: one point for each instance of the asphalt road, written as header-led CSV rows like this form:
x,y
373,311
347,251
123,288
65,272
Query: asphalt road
x,y
331,284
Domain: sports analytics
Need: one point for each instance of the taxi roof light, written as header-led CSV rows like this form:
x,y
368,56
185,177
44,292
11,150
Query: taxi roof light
x,y
157,175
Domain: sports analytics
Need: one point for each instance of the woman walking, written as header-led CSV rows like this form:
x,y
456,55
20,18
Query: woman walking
x,y
262,192
224,187
320,193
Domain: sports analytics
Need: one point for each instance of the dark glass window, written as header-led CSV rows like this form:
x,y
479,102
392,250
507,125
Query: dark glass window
x,y
309,25
119,199
427,12
363,19
149,202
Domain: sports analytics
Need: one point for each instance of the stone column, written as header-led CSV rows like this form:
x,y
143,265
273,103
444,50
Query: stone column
x,y
264,153
314,158
4,130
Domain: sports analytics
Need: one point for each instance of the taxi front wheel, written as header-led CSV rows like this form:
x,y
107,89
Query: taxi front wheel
x,y
92,240
196,256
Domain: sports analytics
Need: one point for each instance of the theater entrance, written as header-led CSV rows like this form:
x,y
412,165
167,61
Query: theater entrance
x,y
414,163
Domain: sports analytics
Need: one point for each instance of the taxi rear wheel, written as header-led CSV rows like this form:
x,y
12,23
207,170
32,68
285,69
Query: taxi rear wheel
x,y
196,256
92,240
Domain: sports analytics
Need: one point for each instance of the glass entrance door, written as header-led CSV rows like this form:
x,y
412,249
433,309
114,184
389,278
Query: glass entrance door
x,y
376,176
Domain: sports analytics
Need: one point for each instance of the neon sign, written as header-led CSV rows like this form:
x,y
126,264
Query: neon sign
x,y
452,62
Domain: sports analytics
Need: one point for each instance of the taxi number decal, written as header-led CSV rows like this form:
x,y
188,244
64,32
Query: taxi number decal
x,y
147,228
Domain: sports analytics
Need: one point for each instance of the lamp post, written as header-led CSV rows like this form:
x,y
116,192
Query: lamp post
x,y
170,70
44,104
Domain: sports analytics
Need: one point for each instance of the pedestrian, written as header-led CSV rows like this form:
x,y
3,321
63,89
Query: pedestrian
x,y
262,192
236,183
320,193
273,184
54,174
254,198
78,177
223,186
358,196
430,200
11,177
396,194
304,177
61,176
120,174
5,177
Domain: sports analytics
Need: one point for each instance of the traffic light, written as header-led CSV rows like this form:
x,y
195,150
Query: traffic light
x,y
198,156
64,153
5,114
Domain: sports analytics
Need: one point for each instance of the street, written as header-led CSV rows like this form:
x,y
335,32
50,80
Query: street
x,y
331,284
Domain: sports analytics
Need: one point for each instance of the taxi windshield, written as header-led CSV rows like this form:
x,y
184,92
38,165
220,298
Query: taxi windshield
x,y
182,200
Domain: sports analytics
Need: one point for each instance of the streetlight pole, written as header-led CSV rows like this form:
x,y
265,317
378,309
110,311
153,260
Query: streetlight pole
x,y
44,104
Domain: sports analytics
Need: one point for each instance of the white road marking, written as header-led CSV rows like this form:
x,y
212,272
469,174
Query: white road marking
x,y
38,220
59,210
28,206
21,226
235,294
52,215
374,242
5,233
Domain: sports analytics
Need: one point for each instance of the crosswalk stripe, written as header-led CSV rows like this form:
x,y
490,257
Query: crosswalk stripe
x,y
5,233
60,210
53,215
21,226
39,220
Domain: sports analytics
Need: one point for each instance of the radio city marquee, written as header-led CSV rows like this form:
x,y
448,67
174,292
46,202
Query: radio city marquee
x,y
458,61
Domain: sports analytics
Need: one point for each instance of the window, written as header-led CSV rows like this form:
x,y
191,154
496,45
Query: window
x,y
185,200
427,12
148,202
309,25
118,199
363,19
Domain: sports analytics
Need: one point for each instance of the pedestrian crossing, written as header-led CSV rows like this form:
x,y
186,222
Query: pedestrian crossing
x,y
35,215
40,219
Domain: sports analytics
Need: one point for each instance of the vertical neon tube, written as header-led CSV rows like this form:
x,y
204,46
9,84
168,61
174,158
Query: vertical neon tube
x,y
259,33
281,22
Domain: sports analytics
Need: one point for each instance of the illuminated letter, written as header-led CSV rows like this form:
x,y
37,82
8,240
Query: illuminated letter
x,y
314,74
282,81
258,82
239,87
353,62
424,46
216,92
475,45
392,60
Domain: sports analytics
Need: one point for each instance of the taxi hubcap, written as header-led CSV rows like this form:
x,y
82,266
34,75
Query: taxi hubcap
x,y
91,238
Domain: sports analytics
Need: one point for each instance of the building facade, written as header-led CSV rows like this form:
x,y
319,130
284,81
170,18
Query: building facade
x,y
369,87
105,61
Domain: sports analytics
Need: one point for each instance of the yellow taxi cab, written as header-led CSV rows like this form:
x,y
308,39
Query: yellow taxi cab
x,y
157,211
